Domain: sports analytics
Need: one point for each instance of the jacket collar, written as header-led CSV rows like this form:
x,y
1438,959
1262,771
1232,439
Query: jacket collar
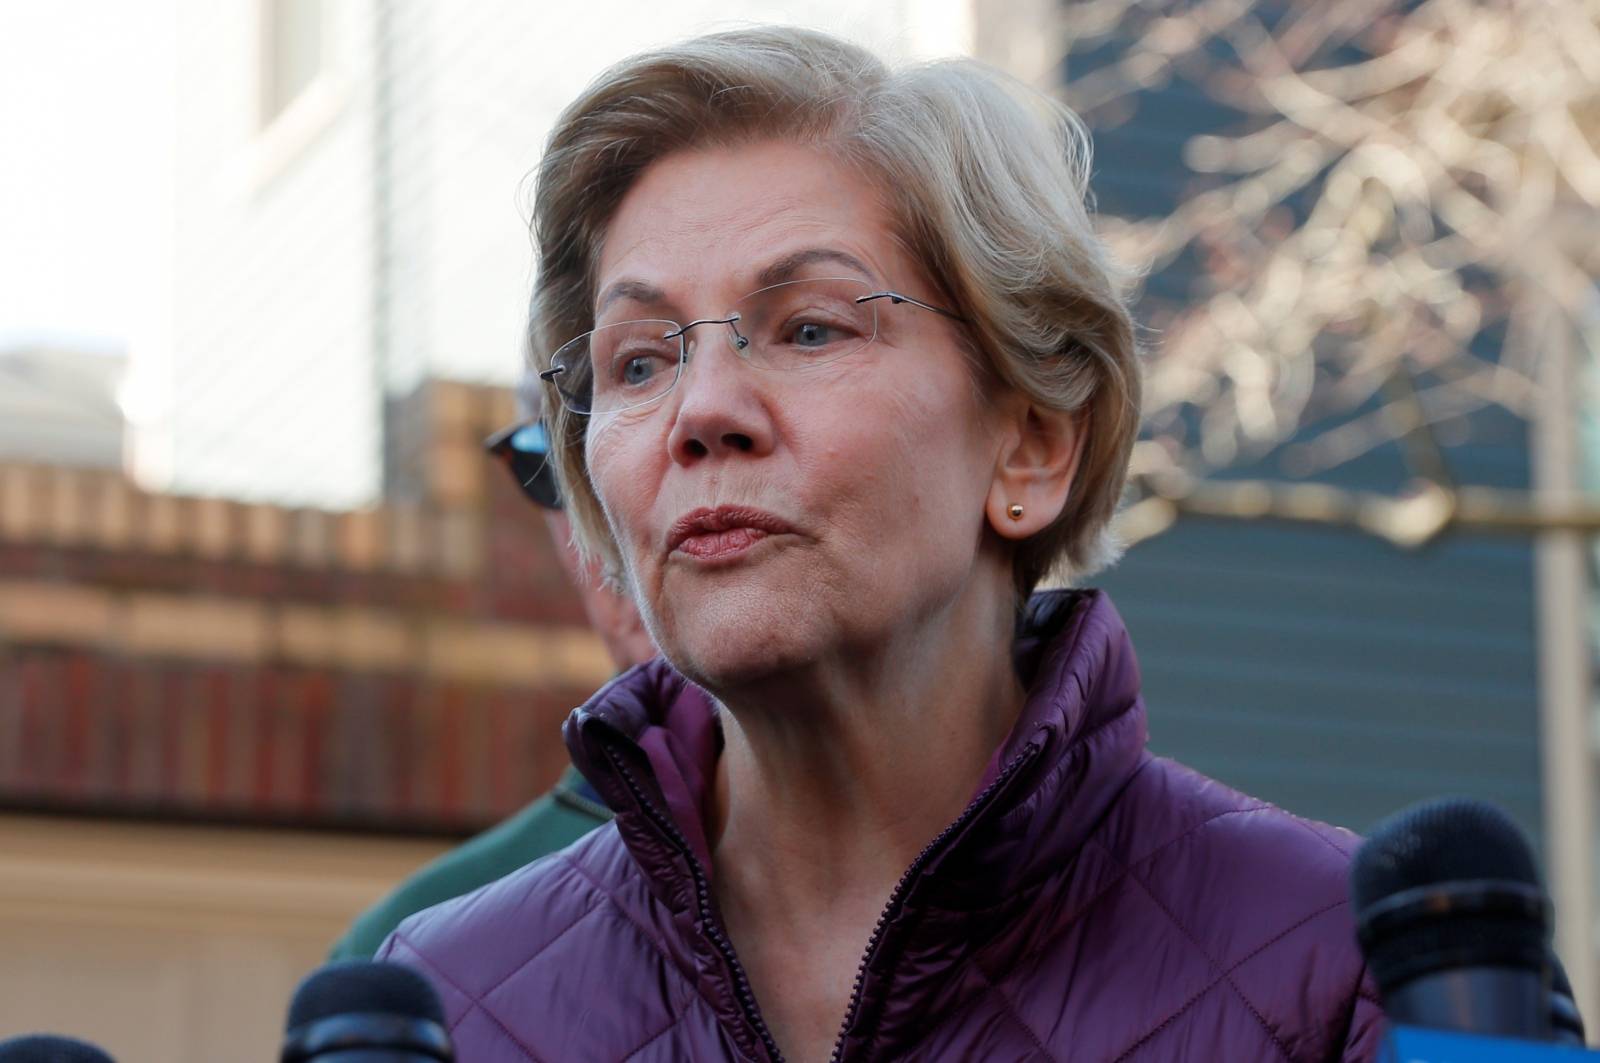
x,y
649,742
1082,678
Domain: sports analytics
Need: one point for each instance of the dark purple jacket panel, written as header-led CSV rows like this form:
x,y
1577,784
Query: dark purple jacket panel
x,y
1093,903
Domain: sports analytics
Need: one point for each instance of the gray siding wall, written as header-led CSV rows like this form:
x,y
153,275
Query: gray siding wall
x,y
1335,675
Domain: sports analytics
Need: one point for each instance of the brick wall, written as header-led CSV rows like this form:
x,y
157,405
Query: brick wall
x,y
405,667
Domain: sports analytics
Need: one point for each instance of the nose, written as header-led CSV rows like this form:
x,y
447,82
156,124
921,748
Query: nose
x,y
720,407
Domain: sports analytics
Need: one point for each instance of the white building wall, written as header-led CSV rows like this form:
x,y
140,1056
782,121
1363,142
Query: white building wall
x,y
268,384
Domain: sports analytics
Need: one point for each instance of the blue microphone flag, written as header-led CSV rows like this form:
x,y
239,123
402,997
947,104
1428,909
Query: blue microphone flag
x,y
1414,1044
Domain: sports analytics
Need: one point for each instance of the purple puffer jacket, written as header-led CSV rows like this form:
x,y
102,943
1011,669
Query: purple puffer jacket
x,y
1093,903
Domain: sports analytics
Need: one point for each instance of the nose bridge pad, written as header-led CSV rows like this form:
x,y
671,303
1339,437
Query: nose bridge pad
x,y
686,336
736,339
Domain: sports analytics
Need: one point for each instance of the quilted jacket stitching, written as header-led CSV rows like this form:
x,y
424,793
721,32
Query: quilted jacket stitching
x,y
1010,1011
474,1004
634,872
645,913
1361,992
1321,837
1285,932
992,986
622,909
1246,958
1192,829
1226,976
540,951
1221,974
1355,1006
1042,884
1139,1042
505,1032
1072,920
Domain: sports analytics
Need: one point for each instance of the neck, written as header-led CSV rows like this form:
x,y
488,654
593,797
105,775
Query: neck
x,y
832,781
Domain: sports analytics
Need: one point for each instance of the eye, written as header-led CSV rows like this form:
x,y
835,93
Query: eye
x,y
637,369
813,334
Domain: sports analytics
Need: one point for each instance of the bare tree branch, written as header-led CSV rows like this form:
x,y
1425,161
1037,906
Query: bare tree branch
x,y
1402,185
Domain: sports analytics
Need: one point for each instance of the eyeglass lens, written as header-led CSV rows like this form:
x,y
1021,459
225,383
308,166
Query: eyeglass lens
x,y
788,326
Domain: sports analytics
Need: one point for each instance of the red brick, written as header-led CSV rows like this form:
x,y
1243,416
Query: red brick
x,y
316,690
263,748
503,749
451,750
41,715
79,675
375,740
11,720
148,738
218,726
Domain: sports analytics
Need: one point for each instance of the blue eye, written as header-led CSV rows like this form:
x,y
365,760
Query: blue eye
x,y
812,334
639,369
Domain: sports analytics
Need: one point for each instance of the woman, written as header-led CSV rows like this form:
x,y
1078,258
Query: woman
x,y
843,374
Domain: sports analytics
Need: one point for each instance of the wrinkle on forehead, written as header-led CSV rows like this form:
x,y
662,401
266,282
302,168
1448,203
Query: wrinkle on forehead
x,y
807,199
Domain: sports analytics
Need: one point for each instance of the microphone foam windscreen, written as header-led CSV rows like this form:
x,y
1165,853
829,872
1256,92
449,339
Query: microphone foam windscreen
x,y
357,986
1456,852
45,1048
1452,839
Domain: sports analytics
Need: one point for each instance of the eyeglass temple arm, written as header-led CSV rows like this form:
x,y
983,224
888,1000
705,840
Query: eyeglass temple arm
x,y
552,372
896,297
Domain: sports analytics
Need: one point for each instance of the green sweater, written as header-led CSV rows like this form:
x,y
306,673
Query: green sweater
x,y
552,822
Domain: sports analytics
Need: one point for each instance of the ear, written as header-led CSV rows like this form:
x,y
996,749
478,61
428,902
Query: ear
x,y
1036,468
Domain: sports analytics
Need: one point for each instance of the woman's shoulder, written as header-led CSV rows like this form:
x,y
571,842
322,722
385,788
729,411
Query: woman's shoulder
x,y
1170,812
514,960
1240,891
503,925
1241,876
1230,866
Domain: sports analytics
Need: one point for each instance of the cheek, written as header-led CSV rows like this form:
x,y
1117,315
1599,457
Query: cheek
x,y
614,470
914,458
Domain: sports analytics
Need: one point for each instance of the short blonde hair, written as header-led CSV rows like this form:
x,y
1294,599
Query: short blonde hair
x,y
986,183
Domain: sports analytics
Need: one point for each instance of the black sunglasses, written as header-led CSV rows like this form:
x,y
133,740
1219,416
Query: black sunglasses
x,y
524,448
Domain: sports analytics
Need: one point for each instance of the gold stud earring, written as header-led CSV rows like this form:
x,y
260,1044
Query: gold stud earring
x,y
1015,512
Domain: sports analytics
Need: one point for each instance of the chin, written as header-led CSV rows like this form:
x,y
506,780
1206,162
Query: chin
x,y
733,642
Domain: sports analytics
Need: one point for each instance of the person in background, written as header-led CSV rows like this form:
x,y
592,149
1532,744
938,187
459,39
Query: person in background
x,y
572,808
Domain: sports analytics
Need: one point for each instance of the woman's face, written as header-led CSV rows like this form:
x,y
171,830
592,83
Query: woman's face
x,y
769,520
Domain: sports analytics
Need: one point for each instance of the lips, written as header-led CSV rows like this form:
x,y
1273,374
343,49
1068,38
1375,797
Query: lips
x,y
708,534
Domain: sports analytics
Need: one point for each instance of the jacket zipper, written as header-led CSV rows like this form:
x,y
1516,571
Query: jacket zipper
x,y
897,898
713,926
719,940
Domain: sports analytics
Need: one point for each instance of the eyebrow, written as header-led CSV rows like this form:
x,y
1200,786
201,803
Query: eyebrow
x,y
638,291
786,267
775,273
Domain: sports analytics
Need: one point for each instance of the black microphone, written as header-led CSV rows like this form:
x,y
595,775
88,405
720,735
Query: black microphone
x,y
1566,1021
47,1048
363,1011
1454,923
